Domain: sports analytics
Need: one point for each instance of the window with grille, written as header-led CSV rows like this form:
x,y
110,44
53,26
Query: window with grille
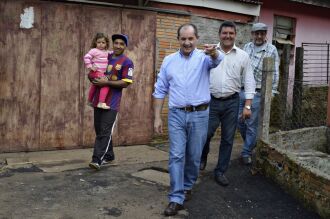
x,y
284,33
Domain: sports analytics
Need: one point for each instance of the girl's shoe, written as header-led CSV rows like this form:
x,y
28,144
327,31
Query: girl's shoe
x,y
103,106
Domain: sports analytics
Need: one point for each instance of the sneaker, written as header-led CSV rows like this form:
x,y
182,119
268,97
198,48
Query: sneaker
x,y
247,160
94,165
106,162
103,106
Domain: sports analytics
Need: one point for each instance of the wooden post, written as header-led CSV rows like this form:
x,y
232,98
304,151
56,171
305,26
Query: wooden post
x,y
298,89
328,123
283,85
268,69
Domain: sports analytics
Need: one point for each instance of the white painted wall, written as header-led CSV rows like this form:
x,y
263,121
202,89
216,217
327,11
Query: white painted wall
x,y
224,5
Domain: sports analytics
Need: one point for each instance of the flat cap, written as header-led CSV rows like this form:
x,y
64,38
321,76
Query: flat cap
x,y
259,26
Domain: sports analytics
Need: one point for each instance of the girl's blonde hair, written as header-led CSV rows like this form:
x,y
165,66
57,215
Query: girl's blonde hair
x,y
98,36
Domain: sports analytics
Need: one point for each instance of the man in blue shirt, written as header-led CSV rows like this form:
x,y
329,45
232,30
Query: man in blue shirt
x,y
184,75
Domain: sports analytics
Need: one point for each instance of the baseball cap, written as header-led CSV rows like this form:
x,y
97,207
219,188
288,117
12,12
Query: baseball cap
x,y
120,36
259,26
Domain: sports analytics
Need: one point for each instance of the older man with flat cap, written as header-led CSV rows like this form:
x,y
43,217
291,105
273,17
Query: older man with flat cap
x,y
258,49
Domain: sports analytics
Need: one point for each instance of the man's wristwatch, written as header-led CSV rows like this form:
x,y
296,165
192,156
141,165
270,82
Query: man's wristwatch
x,y
247,107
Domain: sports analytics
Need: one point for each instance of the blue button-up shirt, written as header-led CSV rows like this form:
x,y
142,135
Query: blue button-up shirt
x,y
185,79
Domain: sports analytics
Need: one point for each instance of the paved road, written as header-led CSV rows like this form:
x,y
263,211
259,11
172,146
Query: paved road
x,y
28,192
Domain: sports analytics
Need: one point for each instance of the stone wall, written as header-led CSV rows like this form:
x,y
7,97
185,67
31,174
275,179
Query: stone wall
x,y
208,30
314,106
302,171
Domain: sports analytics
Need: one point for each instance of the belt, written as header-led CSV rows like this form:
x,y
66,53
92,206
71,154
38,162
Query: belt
x,y
257,89
225,98
201,107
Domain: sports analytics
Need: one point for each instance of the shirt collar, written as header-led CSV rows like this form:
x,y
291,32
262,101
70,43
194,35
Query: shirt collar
x,y
232,49
192,52
262,47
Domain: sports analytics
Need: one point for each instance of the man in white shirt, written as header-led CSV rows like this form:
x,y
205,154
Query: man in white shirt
x,y
225,85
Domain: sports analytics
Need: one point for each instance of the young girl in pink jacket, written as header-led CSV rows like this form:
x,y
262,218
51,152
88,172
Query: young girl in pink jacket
x,y
96,61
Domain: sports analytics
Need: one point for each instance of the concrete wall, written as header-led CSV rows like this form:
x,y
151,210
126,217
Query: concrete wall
x,y
302,139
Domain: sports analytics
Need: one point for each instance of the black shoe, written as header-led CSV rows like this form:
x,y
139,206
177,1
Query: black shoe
x,y
187,195
247,160
202,165
172,209
221,180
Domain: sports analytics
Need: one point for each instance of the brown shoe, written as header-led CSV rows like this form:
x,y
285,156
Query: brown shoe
x,y
172,209
187,195
202,165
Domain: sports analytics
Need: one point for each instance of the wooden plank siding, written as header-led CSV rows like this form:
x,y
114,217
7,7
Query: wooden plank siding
x,y
59,96
19,78
136,118
106,21
43,84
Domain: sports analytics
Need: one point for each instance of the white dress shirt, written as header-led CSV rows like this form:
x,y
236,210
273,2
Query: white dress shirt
x,y
226,79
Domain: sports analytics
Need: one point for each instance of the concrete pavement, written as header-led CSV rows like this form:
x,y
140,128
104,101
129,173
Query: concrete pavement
x,y
63,160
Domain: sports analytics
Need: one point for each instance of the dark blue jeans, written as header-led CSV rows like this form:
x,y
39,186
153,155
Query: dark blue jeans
x,y
222,112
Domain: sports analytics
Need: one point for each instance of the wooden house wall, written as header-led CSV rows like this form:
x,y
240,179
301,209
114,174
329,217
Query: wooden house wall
x,y
43,83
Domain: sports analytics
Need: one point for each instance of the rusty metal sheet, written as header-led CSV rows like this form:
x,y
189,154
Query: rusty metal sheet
x,y
19,75
59,98
135,122
96,19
